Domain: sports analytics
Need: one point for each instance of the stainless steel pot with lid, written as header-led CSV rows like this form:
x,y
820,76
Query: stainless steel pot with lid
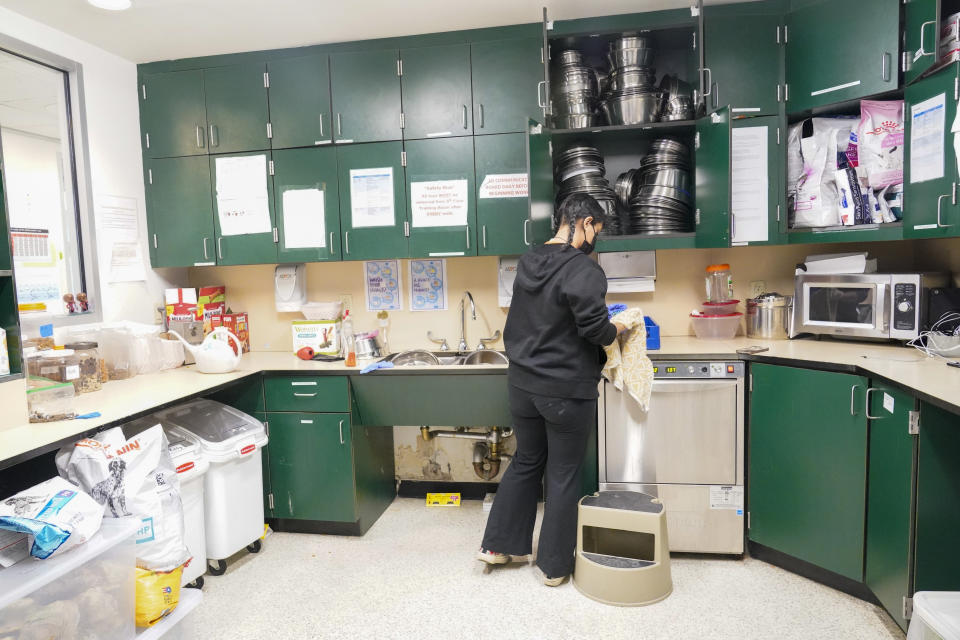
x,y
768,316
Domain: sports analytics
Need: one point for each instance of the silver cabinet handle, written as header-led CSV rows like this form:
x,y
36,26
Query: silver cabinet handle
x,y
540,94
331,242
953,196
923,51
526,238
305,395
885,66
481,115
154,241
341,432
346,242
205,256
867,404
464,116
214,136
709,83
339,125
484,227
219,249
199,137
853,394
468,237
321,124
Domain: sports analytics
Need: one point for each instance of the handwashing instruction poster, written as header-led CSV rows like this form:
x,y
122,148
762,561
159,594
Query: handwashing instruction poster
x,y
428,285
383,285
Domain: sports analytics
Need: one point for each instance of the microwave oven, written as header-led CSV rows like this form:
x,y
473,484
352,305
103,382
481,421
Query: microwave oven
x,y
876,306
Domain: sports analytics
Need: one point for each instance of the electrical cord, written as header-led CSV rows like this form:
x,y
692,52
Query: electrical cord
x,y
950,322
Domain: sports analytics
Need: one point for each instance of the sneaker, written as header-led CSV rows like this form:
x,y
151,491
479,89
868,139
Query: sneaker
x,y
492,557
553,582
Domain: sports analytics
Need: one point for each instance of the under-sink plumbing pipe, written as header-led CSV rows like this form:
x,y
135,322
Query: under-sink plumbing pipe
x,y
487,452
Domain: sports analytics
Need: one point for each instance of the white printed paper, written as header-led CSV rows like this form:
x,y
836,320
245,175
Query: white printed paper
x,y
428,285
888,402
304,222
439,203
371,198
506,276
927,122
749,185
118,232
383,285
243,202
504,185
726,497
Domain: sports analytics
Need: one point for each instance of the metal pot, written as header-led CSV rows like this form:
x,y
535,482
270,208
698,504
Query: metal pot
x,y
630,57
768,316
630,78
632,108
367,347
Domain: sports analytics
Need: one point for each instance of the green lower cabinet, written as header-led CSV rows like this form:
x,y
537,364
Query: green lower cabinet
x,y
502,201
243,208
938,501
372,224
890,486
180,212
307,204
441,197
265,467
808,465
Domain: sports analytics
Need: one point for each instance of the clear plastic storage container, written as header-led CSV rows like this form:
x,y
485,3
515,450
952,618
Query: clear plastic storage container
x,y
716,327
172,627
61,365
117,347
719,283
87,592
49,400
719,308
936,616
88,356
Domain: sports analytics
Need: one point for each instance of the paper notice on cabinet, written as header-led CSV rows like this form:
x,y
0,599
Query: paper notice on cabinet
x,y
927,140
243,202
118,231
506,276
504,185
304,222
749,197
439,203
371,198
383,285
428,285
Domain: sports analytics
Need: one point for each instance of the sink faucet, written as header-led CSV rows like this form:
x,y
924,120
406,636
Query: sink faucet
x,y
462,347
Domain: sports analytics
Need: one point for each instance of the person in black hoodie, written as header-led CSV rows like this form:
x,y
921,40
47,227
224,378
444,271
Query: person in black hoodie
x,y
555,333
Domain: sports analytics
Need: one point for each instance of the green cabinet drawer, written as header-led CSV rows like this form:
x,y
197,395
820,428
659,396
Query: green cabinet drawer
x,y
326,394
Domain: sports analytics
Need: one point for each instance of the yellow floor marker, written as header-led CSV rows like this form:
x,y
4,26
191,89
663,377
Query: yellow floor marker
x,y
443,499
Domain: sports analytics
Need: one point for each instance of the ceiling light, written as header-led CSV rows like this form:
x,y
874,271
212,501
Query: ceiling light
x,y
111,5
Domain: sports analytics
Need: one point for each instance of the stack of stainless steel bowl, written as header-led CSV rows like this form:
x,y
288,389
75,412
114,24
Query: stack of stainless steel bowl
x,y
573,92
580,169
630,95
662,201
677,99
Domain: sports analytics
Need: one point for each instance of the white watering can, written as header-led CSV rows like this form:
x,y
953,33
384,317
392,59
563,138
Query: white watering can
x,y
214,355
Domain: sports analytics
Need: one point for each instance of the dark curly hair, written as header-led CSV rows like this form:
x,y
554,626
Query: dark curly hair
x,y
578,206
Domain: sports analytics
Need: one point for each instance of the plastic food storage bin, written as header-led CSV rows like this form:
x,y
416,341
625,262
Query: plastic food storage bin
x,y
936,616
232,442
171,627
716,327
85,592
719,308
49,400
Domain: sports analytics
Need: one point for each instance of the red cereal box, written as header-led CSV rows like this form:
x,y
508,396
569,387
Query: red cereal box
x,y
211,301
237,323
181,304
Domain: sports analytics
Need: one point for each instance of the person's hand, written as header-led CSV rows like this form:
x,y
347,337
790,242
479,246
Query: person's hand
x,y
620,328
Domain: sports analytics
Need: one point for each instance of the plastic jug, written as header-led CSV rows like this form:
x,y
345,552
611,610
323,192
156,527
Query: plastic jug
x,y
214,355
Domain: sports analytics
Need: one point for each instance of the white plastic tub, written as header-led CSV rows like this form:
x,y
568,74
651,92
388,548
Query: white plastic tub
x,y
87,591
936,616
233,486
716,327
191,467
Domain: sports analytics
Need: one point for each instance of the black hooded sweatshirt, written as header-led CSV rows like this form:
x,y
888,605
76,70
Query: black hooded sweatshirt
x,y
558,323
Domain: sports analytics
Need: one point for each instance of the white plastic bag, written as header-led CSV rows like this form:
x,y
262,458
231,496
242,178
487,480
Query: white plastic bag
x,y
133,477
54,516
812,170
881,141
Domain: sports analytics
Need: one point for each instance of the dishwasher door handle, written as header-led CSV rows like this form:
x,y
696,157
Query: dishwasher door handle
x,y
686,386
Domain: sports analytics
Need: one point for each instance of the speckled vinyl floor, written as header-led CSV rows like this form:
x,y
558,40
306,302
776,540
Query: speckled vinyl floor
x,y
413,575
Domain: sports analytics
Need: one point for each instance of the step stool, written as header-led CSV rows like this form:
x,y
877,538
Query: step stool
x,y
623,556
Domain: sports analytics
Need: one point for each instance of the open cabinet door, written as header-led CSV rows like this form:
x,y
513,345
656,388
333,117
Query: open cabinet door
x,y
921,36
712,169
756,177
539,227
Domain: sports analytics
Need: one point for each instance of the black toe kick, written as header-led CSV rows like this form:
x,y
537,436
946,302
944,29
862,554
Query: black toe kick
x,y
812,572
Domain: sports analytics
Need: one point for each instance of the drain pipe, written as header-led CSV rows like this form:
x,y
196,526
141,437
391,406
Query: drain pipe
x,y
487,450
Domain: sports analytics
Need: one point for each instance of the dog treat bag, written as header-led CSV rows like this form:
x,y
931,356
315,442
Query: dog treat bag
x,y
880,145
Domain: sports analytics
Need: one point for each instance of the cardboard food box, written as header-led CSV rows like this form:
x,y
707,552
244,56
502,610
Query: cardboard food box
x,y
323,336
181,304
237,323
211,301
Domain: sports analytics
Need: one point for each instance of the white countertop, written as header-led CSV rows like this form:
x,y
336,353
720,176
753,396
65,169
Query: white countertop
x,y
124,398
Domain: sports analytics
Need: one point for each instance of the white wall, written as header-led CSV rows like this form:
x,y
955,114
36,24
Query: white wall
x,y
113,135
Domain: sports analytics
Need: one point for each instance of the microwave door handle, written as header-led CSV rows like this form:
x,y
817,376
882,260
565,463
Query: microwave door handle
x,y
883,308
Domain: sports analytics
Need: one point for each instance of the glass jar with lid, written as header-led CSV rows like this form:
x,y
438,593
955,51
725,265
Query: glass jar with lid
x,y
88,354
719,283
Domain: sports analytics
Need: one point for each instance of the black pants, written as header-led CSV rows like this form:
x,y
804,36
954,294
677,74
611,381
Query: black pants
x,y
551,435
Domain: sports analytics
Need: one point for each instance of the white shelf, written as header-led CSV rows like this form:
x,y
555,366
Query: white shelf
x,y
190,599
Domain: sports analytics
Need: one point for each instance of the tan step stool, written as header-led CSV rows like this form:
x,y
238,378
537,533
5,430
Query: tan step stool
x,y
623,556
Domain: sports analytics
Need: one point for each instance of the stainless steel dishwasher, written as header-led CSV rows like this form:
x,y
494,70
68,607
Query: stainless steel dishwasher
x,y
688,450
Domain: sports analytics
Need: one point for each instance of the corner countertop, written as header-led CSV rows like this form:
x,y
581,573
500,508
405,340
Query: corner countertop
x,y
928,378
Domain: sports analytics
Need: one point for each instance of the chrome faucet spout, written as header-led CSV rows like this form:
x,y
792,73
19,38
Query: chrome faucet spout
x,y
462,347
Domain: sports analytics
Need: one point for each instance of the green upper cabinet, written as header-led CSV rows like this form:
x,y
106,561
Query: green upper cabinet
x,y
502,194
180,204
540,205
808,465
757,191
890,498
743,54
837,51
173,115
436,92
712,179
243,208
308,204
441,197
366,96
921,37
506,77
237,115
300,101
931,208
373,202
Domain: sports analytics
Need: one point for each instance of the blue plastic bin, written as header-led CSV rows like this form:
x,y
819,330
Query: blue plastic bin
x,y
653,333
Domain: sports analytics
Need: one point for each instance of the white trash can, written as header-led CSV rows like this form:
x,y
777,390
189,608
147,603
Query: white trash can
x,y
936,616
232,443
192,466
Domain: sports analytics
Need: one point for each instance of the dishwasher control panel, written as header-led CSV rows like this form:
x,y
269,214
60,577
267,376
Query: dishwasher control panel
x,y
697,369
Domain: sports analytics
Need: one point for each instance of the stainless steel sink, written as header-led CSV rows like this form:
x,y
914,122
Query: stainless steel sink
x,y
486,356
424,358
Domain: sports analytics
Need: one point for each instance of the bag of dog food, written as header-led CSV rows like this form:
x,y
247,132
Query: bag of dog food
x,y
157,595
133,477
53,516
812,150
880,137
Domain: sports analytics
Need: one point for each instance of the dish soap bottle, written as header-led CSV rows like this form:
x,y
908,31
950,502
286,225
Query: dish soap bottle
x,y
349,341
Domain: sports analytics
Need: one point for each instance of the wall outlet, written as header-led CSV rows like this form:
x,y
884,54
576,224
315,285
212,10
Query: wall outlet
x,y
757,287
346,300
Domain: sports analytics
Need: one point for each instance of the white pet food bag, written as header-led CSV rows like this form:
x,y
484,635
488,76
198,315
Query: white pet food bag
x,y
134,477
812,170
881,141
53,516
